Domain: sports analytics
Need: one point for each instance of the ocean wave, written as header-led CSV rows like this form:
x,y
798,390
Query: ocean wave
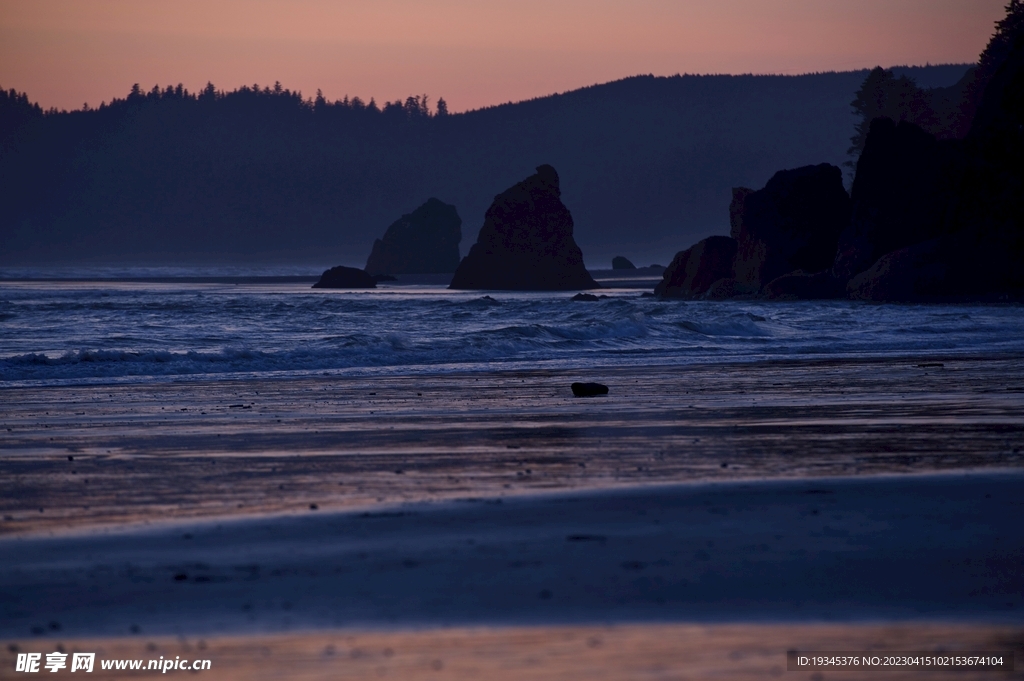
x,y
77,357
57,333
484,302
603,329
736,328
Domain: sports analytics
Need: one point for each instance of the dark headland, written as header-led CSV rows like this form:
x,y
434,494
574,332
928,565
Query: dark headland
x,y
936,211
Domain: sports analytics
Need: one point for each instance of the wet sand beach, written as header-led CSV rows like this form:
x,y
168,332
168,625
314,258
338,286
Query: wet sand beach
x,y
894,548
698,521
82,455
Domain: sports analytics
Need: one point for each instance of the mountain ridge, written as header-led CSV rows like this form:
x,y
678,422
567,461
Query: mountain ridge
x,y
647,163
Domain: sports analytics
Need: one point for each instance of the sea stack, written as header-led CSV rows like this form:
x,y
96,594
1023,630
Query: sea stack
x,y
792,224
425,241
526,242
782,243
693,272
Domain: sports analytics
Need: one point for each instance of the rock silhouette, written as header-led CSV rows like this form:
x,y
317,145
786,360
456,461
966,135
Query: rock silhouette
x,y
425,241
792,224
800,285
694,271
902,176
621,262
904,274
964,208
526,242
345,277
929,218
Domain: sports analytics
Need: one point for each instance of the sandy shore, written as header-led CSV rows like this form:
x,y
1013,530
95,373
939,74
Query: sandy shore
x,y
696,523
893,548
634,652
84,455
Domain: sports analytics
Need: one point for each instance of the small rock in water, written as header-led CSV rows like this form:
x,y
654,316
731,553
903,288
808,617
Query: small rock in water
x,y
589,389
345,277
587,297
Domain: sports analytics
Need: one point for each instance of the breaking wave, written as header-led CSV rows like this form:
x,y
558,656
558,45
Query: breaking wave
x,y
53,331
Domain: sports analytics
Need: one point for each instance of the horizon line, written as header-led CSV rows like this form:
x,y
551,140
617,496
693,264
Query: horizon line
x,y
88,107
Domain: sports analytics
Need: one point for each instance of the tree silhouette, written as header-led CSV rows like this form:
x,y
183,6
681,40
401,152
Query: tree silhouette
x,y
946,113
883,95
15,111
164,172
1008,29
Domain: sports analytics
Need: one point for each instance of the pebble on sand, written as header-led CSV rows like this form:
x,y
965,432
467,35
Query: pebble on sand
x,y
589,389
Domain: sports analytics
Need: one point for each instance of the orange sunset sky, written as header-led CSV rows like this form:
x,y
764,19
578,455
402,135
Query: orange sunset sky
x,y
474,53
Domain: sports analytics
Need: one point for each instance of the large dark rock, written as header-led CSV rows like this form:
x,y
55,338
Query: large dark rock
x,y
693,271
968,265
526,243
801,285
929,219
899,194
345,277
911,274
947,218
736,210
621,262
991,197
793,223
723,289
425,241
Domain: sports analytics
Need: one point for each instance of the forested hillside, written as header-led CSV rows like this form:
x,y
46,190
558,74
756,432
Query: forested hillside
x,y
266,175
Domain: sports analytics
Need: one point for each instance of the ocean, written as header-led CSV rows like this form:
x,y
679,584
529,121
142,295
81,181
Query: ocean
x,y
130,325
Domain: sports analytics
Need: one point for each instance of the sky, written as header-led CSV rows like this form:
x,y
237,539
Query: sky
x,y
474,53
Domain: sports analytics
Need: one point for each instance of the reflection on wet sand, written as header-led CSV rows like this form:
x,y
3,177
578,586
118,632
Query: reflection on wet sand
x,y
88,454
